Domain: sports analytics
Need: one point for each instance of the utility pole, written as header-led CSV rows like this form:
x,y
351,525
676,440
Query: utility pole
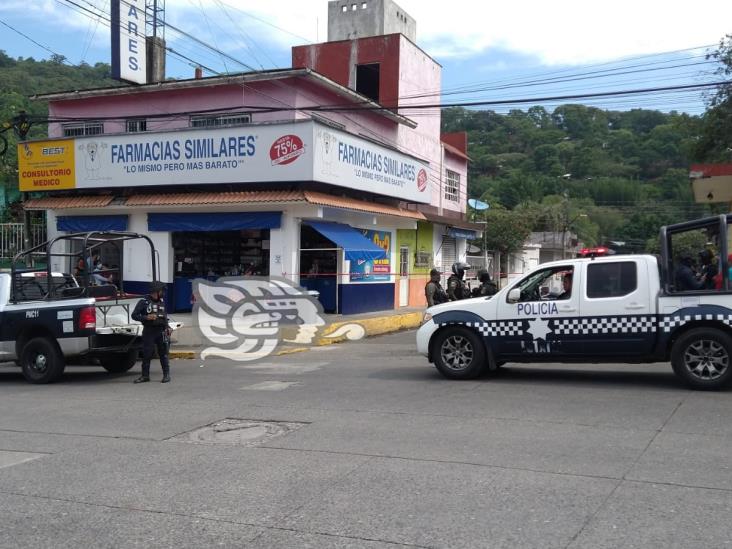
x,y
27,228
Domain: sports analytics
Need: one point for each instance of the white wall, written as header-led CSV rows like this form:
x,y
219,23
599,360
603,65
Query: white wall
x,y
462,249
137,263
523,262
58,264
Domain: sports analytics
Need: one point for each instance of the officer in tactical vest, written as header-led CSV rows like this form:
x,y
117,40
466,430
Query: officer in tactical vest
x,y
487,286
433,291
457,289
150,311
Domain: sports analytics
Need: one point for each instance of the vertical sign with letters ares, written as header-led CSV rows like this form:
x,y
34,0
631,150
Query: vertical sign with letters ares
x,y
129,57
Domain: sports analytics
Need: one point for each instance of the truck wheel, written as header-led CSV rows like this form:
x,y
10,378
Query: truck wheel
x,y
459,354
119,363
702,358
41,361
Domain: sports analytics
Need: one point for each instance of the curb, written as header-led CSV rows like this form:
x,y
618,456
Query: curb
x,y
376,326
181,355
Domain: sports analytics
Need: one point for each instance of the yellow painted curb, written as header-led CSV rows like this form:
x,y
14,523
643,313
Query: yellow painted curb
x,y
182,355
292,351
379,325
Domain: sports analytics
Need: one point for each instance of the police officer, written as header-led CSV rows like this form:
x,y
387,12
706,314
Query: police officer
x,y
685,277
456,287
151,312
433,290
487,286
708,268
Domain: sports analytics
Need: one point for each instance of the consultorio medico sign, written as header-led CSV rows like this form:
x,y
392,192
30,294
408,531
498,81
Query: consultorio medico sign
x,y
249,154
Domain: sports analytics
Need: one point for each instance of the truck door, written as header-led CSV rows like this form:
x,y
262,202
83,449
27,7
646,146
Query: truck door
x,y
616,308
529,315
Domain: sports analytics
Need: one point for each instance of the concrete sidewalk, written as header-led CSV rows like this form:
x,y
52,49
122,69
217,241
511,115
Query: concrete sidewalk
x,y
188,341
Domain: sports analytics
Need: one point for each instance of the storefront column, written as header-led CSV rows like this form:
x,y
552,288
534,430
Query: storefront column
x,y
284,247
137,263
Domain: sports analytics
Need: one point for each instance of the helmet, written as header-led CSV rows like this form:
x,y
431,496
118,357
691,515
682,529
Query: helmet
x,y
156,286
484,276
706,256
459,268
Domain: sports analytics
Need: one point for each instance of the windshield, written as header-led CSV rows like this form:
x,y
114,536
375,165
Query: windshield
x,y
547,284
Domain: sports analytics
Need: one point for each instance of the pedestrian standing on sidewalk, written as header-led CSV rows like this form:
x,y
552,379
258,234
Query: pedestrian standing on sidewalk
x,y
150,311
433,290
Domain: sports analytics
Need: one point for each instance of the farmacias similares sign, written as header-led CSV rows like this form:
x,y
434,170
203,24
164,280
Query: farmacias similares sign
x,y
291,152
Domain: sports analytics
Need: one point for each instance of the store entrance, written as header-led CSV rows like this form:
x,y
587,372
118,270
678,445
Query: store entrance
x,y
319,267
213,254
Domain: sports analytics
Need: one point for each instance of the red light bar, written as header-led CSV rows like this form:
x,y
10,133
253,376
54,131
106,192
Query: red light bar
x,y
601,250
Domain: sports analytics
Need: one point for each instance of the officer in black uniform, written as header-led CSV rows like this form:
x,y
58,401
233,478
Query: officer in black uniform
x,y
487,286
151,312
685,277
708,268
456,287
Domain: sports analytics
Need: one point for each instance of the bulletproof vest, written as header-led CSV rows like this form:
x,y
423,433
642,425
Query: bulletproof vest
x,y
158,309
440,296
458,286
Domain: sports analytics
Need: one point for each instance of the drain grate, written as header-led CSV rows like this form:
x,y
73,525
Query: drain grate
x,y
240,432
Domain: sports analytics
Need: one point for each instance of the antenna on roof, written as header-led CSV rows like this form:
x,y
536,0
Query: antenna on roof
x,y
155,23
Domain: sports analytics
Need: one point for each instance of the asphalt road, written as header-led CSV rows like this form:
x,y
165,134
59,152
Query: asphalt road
x,y
383,452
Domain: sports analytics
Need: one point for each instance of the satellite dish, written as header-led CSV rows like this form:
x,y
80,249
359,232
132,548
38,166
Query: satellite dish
x,y
477,204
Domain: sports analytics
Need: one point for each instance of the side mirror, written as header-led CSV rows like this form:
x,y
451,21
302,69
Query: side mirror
x,y
514,295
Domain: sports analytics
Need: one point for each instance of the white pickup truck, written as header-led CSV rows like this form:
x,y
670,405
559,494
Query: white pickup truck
x,y
612,309
49,319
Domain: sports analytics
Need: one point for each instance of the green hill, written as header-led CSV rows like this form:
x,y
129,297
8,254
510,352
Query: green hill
x,y
609,175
23,77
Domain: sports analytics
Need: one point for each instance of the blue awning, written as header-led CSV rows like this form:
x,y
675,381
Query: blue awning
x,y
87,223
353,242
456,232
225,221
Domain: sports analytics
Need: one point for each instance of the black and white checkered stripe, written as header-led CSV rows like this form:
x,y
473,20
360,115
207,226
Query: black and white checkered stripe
x,y
605,325
501,328
593,325
668,323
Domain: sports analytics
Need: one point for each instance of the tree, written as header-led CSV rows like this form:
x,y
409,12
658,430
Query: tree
x,y
506,231
715,140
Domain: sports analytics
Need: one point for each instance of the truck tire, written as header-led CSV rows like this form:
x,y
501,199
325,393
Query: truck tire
x,y
702,357
459,353
119,363
41,361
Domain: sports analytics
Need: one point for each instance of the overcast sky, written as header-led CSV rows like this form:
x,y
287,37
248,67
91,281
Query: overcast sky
x,y
489,42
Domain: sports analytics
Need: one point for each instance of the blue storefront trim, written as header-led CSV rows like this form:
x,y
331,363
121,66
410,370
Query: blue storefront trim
x,y
226,221
88,223
365,298
143,288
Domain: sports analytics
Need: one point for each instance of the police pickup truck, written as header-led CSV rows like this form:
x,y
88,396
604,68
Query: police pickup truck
x,y
612,309
50,319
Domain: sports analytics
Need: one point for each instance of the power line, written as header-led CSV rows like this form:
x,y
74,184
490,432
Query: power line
x,y
246,37
235,8
106,20
58,55
555,74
